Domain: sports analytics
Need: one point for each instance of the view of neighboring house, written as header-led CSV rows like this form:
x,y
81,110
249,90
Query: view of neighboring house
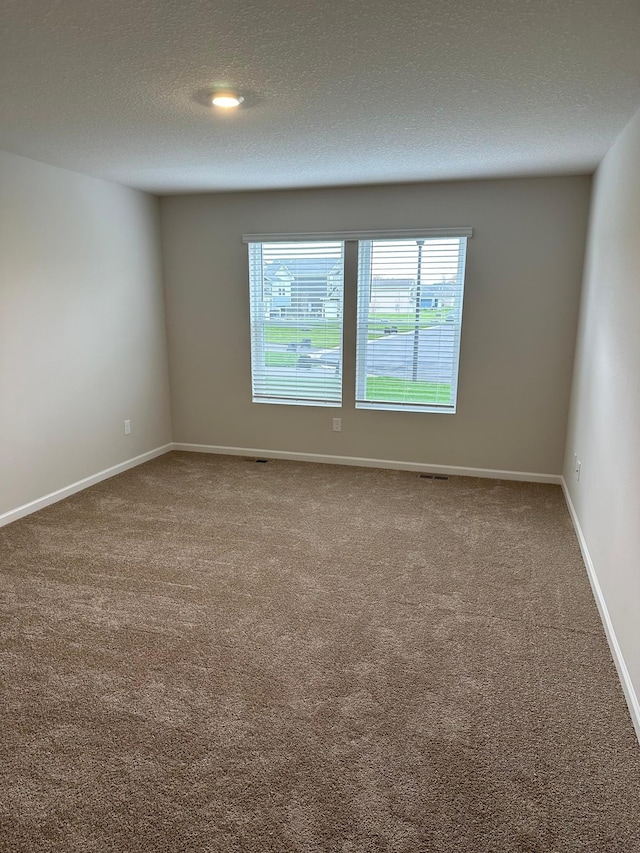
x,y
440,295
400,294
392,294
296,288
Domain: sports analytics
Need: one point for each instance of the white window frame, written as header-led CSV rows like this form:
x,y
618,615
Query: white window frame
x,y
464,233
363,295
259,370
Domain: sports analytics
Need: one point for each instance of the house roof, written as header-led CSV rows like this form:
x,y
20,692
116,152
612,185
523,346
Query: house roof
x,y
301,267
335,93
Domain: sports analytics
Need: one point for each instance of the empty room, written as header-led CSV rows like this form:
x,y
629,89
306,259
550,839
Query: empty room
x,y
319,426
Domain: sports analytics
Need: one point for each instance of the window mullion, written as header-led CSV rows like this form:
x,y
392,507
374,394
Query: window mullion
x,y
350,318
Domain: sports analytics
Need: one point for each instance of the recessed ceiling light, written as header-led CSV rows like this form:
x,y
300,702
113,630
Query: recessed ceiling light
x,y
227,100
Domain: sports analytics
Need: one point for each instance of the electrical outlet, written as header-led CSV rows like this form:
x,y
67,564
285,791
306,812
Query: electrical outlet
x,y
578,469
575,462
127,427
337,424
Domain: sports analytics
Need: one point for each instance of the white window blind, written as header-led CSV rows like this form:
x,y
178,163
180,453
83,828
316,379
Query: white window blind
x,y
410,295
296,304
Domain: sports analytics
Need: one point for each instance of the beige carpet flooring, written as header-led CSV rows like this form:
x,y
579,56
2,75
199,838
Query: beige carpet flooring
x,y
211,654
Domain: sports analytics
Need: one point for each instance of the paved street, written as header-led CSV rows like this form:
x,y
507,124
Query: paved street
x,y
392,355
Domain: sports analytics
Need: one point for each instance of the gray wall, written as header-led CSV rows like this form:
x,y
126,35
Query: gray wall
x,y
524,271
604,425
82,330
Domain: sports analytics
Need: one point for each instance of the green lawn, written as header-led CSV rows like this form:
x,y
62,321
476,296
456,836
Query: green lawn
x,y
382,389
307,382
385,389
327,335
406,321
280,359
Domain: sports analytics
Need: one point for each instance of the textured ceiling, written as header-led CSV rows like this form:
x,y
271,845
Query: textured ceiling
x,y
338,91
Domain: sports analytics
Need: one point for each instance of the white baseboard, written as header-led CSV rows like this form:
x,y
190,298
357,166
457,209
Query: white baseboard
x,y
60,494
364,462
614,646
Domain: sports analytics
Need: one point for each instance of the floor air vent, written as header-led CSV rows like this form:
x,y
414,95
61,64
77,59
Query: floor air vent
x,y
262,461
433,477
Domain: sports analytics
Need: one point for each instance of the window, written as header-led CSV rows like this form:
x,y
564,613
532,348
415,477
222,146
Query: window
x,y
409,320
409,291
296,303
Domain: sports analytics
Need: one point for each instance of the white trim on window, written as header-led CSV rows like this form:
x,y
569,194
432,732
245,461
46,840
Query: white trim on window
x,y
296,295
410,286
409,320
406,234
